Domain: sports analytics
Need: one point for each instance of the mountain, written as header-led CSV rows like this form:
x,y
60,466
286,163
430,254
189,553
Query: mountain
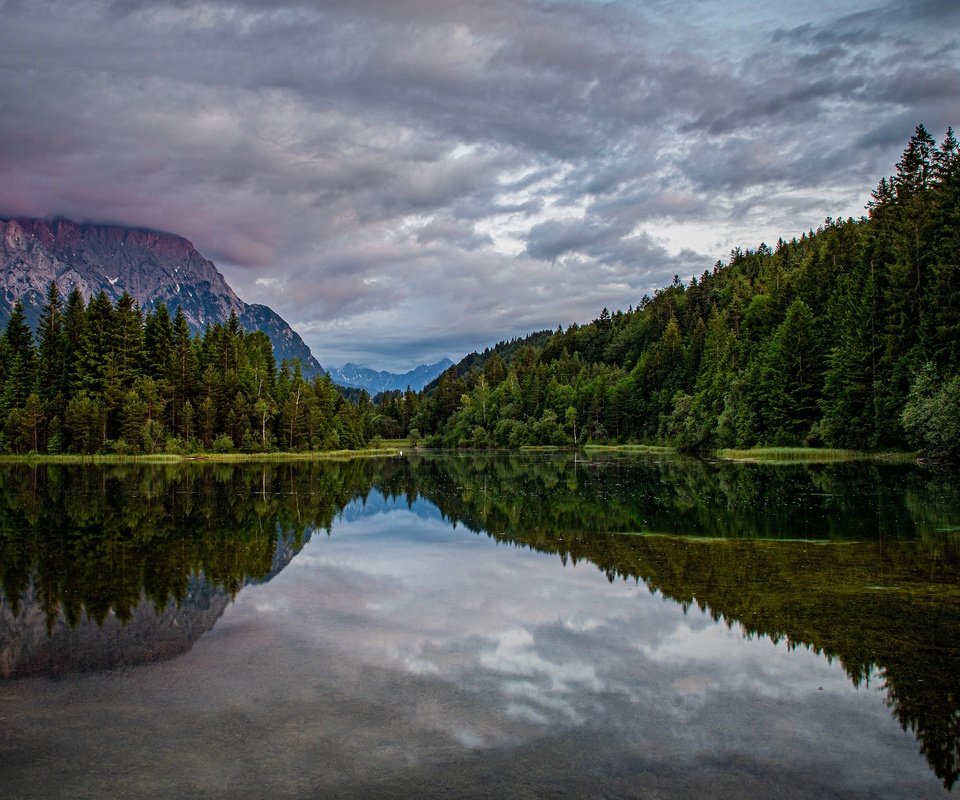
x,y
375,382
32,642
153,267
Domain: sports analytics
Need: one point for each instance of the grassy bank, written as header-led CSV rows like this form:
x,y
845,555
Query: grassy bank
x,y
806,455
627,448
167,458
393,447
398,444
778,455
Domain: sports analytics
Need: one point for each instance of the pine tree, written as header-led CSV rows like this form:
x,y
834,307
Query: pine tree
x,y
915,174
184,369
947,158
20,359
127,340
74,331
849,404
158,343
942,295
52,367
790,378
96,345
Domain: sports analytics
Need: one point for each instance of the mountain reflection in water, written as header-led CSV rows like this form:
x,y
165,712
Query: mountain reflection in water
x,y
860,562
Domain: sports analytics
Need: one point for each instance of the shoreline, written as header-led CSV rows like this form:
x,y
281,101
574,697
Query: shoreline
x,y
174,458
765,455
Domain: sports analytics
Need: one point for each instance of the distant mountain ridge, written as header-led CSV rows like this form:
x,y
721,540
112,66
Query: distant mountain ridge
x,y
375,382
152,266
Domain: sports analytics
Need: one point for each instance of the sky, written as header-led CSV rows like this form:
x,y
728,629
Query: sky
x,y
404,180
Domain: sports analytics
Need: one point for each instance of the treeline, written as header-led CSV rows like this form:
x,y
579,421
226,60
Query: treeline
x,y
105,378
848,336
63,525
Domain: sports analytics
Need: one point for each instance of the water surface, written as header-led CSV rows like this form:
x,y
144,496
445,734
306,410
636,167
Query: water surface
x,y
480,627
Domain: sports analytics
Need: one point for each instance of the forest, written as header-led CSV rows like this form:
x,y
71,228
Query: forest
x,y
846,337
104,378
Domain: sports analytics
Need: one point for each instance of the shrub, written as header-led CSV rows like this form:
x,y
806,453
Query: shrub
x,y
931,417
175,446
222,444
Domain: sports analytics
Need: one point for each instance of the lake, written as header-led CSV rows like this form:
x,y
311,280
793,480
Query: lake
x,y
480,626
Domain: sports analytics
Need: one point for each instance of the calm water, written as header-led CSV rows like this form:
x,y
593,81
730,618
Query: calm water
x,y
479,627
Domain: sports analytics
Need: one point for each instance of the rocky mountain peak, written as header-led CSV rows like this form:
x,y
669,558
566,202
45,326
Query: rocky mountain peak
x,y
154,267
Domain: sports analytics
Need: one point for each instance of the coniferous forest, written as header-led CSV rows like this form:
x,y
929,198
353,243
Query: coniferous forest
x,y
846,337
104,378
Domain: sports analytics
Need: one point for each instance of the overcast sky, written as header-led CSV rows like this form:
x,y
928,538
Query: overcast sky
x,y
409,179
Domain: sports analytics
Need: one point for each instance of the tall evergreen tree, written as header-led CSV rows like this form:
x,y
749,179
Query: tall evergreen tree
x,y
158,342
20,358
126,340
96,346
52,372
74,333
790,388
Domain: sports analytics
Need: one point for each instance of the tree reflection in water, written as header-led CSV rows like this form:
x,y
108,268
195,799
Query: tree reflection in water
x,y
860,562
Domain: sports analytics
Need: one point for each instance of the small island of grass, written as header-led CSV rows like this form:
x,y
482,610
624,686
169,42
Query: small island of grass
x,y
807,455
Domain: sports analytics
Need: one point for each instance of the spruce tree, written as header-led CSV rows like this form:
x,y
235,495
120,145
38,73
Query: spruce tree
x,y
74,331
183,371
158,343
20,358
96,346
52,371
126,341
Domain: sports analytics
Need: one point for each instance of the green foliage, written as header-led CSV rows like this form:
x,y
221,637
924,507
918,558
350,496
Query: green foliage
x,y
106,378
222,444
815,342
931,416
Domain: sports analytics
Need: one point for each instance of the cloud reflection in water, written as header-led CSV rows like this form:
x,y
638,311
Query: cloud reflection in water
x,y
500,648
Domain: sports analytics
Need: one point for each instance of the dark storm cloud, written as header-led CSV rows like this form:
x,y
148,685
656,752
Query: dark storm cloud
x,y
454,233
554,238
397,177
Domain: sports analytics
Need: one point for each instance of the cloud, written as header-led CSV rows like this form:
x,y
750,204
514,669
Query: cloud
x,y
452,232
399,177
554,238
